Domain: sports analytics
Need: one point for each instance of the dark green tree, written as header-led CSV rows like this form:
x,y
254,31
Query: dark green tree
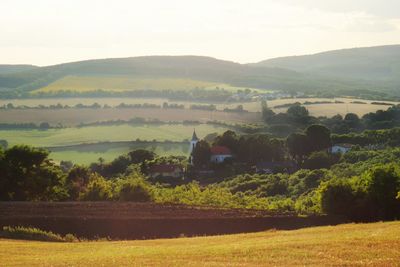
x,y
140,155
201,154
319,137
298,147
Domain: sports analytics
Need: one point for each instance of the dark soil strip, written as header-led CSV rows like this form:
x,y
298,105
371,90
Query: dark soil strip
x,y
144,221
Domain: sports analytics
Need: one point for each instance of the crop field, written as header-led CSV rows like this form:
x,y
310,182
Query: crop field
x,y
76,116
86,154
326,109
254,106
94,134
376,244
121,83
331,109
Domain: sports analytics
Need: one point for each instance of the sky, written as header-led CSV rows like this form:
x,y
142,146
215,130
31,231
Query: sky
x,y
47,32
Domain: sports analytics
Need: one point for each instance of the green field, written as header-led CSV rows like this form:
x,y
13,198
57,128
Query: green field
x,y
94,134
87,154
375,244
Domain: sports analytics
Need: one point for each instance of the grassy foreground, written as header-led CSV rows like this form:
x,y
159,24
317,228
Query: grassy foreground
x,y
376,244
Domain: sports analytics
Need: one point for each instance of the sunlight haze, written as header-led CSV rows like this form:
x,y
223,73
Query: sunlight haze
x,y
48,32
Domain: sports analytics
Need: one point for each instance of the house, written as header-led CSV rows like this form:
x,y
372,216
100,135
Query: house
x,y
340,148
219,154
270,167
166,170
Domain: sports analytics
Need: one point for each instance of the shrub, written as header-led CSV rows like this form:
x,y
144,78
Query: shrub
x,y
98,189
134,190
337,197
383,184
30,233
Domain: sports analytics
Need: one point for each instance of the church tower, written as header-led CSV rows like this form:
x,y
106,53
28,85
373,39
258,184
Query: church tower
x,y
193,144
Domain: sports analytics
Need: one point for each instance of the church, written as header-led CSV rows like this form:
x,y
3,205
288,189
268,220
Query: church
x,y
218,153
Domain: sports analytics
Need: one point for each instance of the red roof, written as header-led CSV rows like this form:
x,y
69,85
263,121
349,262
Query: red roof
x,y
220,150
164,168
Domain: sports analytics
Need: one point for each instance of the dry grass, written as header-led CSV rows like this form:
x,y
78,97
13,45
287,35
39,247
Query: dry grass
x,y
333,109
75,116
375,244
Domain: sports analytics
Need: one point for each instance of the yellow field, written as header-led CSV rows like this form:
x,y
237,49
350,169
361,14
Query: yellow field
x,y
375,244
121,83
331,109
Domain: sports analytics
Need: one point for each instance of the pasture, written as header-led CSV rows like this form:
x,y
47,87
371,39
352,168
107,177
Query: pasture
x,y
86,154
376,244
94,134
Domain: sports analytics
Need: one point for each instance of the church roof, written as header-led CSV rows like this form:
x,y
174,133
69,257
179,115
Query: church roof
x,y
194,137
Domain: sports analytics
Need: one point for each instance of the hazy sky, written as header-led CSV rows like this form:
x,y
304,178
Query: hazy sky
x,y
47,32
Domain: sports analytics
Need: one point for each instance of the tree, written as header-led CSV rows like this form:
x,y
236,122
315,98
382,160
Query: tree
x,y
98,189
337,197
297,111
135,190
201,154
320,160
228,139
267,113
319,137
77,181
140,155
28,175
352,120
383,187
297,144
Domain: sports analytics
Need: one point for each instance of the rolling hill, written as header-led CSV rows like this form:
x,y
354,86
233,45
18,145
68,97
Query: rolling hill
x,y
372,71
370,63
7,69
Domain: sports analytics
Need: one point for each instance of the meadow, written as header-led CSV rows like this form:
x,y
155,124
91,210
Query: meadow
x,y
120,83
94,134
376,244
86,154
62,143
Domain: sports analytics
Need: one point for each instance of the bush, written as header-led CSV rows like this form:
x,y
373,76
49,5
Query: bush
x,y
29,233
383,184
98,189
135,190
337,197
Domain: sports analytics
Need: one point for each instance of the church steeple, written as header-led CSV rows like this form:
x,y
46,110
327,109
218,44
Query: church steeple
x,y
194,137
193,144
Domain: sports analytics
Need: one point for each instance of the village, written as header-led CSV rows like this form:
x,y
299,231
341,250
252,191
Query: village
x,y
221,160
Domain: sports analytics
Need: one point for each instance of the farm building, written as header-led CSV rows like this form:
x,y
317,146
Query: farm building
x,y
220,153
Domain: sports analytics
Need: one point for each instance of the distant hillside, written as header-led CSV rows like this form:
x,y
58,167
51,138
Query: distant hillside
x,y
7,69
370,63
364,72
153,67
